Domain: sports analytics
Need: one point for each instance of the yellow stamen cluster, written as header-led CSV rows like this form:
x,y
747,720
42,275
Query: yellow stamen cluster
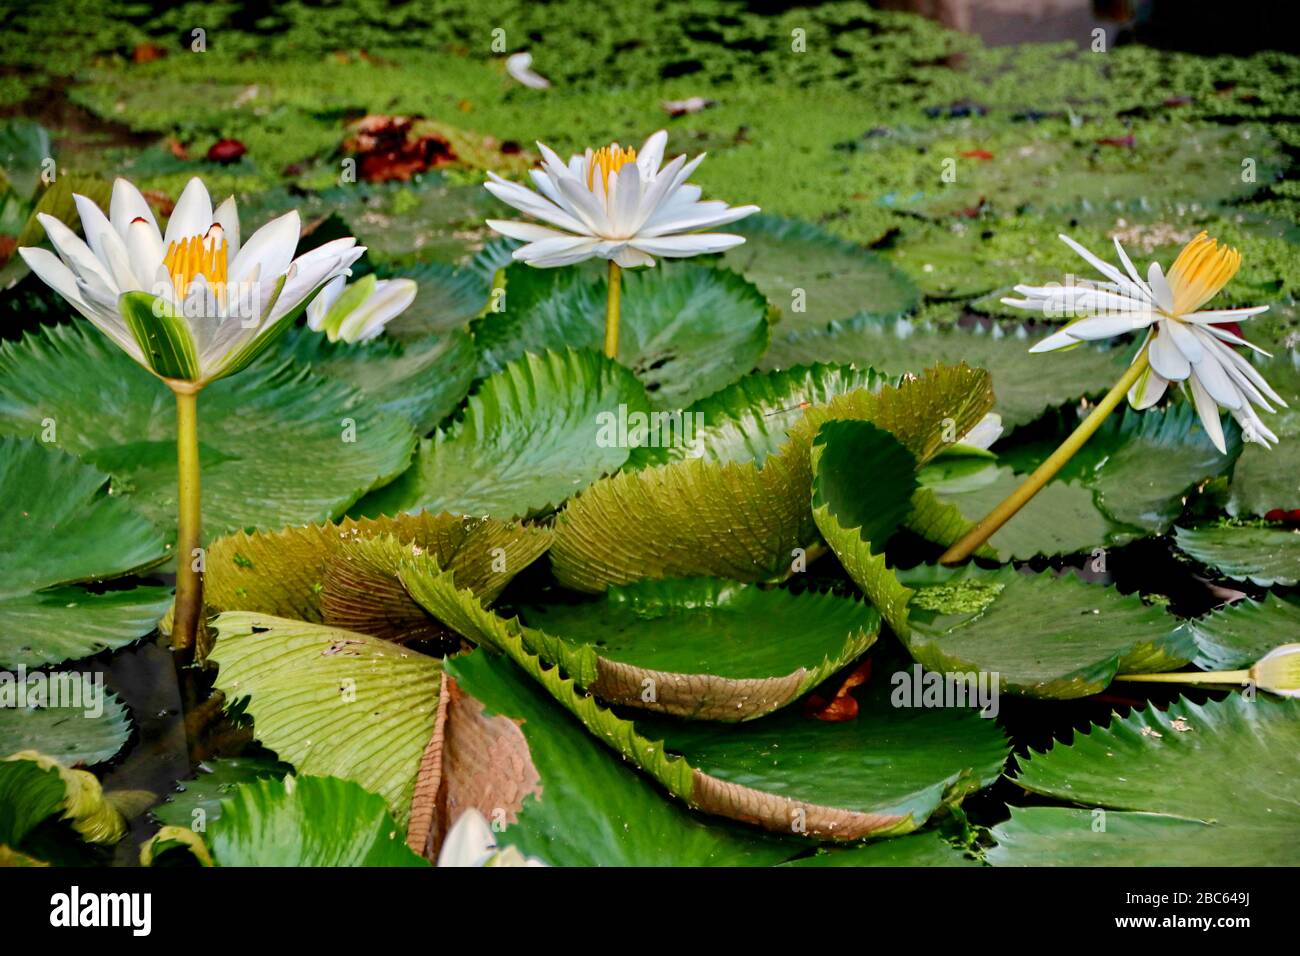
x,y
196,256
1200,271
607,159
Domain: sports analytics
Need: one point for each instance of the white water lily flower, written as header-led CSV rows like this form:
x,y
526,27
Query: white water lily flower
x,y
520,68
471,842
1184,345
614,204
360,311
193,304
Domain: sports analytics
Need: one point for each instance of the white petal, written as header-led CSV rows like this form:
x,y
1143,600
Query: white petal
x,y
549,253
652,153
588,209
699,243
519,66
631,258
525,231
709,216
1105,326
1223,315
307,274
625,199
1105,268
1209,372
271,247
1147,390
1132,272
128,205
527,201
1164,296
1167,359
74,251
50,269
227,216
1057,340
144,249
1183,337
106,244
192,215
1209,415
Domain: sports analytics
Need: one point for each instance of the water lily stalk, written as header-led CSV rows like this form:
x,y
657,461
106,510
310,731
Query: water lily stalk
x,y
189,529
1048,469
1277,672
612,309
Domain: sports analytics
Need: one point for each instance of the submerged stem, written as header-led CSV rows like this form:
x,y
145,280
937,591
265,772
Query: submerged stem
x,y
612,309
189,535
1044,473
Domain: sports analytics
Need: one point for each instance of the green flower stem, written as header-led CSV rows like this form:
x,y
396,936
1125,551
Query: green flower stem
x,y
189,535
1189,677
611,309
1044,473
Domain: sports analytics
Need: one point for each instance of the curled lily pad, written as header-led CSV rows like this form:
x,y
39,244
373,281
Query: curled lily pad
x,y
748,421
35,787
699,517
1194,785
882,774
536,432
61,528
591,807
1041,635
848,457
708,649
286,572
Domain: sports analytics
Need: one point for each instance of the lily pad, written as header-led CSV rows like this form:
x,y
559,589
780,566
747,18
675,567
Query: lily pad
x,y
1239,634
708,649
685,330
1263,555
848,457
421,379
73,719
874,776
1024,385
1131,479
1196,785
748,420
199,800
447,299
35,787
285,573
61,528
593,809
536,432
307,821
736,520
813,277
277,445
329,701
1041,635
915,849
